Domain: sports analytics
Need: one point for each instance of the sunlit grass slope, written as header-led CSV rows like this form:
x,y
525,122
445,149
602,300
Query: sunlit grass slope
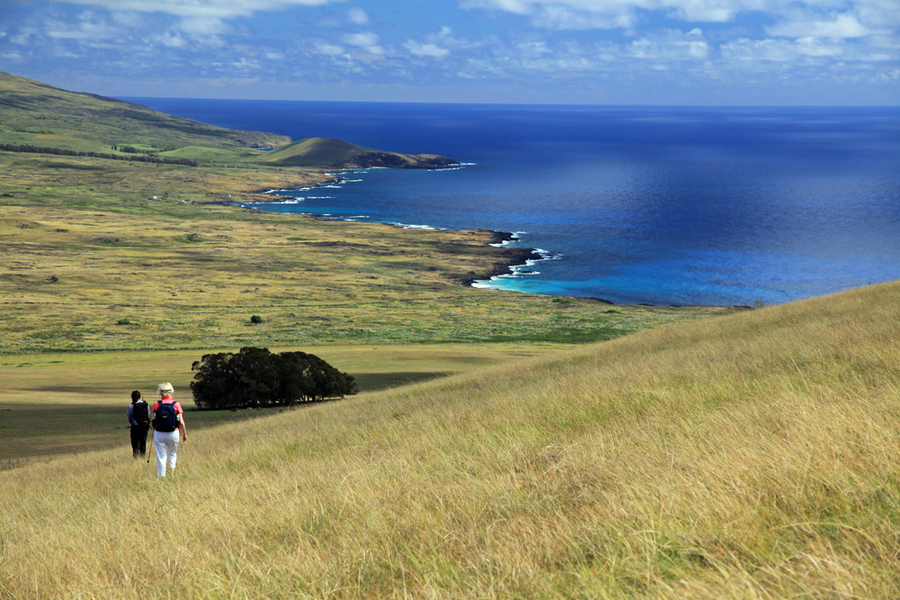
x,y
749,456
40,114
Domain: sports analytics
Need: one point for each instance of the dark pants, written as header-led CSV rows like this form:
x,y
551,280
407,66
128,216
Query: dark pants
x,y
139,440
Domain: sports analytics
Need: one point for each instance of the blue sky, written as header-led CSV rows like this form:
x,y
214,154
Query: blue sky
x,y
701,52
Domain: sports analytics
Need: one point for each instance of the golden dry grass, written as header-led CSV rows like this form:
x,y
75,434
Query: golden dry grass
x,y
752,456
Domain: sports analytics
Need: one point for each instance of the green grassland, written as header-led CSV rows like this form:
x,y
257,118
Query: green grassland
x,y
39,114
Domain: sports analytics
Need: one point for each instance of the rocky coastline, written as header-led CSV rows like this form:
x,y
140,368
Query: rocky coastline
x,y
506,258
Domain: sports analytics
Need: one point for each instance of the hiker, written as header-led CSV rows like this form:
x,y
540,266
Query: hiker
x,y
138,414
168,422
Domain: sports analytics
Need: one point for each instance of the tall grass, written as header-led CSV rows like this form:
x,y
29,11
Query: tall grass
x,y
750,456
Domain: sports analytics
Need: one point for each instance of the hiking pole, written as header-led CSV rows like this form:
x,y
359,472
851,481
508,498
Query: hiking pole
x,y
147,468
180,446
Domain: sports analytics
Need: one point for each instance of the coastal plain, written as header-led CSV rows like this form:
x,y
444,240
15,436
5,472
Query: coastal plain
x,y
115,256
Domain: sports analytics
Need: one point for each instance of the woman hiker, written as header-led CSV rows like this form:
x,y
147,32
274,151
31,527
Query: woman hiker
x,y
168,422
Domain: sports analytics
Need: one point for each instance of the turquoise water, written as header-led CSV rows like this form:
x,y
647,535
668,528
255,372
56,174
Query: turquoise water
x,y
705,206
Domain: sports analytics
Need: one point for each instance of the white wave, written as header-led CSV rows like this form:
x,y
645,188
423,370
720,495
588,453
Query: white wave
x,y
409,226
291,191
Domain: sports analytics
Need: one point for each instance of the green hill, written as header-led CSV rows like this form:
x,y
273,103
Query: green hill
x,y
39,114
749,456
336,153
36,116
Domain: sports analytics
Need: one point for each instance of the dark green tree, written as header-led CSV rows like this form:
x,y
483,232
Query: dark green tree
x,y
309,378
214,381
255,377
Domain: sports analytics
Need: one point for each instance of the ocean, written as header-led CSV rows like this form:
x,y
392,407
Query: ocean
x,y
712,206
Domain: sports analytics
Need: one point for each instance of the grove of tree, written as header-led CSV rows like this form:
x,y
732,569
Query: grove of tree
x,y
256,377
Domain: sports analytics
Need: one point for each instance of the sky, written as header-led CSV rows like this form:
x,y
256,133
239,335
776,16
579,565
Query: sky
x,y
664,52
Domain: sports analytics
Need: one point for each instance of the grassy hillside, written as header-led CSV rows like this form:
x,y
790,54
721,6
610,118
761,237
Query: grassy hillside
x,y
39,114
317,151
752,456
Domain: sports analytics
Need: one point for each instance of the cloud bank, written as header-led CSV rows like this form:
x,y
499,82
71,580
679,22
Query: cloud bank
x,y
683,51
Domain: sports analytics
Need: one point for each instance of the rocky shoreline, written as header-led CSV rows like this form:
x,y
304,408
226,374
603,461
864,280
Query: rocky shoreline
x,y
507,258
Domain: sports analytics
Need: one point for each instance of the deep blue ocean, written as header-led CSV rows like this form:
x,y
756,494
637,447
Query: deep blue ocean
x,y
657,205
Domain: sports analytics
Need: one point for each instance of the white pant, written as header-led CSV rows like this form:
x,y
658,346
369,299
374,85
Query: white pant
x,y
166,444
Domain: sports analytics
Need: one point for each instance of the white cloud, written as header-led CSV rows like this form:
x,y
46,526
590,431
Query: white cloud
x,y
562,17
219,9
358,16
536,41
431,50
520,7
580,14
812,46
879,13
784,51
330,49
169,39
835,26
21,39
671,46
367,41
360,39
88,27
203,26
606,14
532,48
245,65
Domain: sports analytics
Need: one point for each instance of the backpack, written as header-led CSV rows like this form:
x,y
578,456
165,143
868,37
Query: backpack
x,y
166,418
140,412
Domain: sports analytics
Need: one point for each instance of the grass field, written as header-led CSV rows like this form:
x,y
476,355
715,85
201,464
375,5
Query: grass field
x,y
58,404
751,456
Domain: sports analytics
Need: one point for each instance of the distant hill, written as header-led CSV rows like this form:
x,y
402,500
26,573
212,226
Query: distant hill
x,y
40,114
336,153
38,117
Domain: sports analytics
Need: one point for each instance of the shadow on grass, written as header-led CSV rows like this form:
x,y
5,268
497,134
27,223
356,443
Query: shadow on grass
x,y
374,382
55,428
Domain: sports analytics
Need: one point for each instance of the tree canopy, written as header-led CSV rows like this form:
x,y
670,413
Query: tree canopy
x,y
255,377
